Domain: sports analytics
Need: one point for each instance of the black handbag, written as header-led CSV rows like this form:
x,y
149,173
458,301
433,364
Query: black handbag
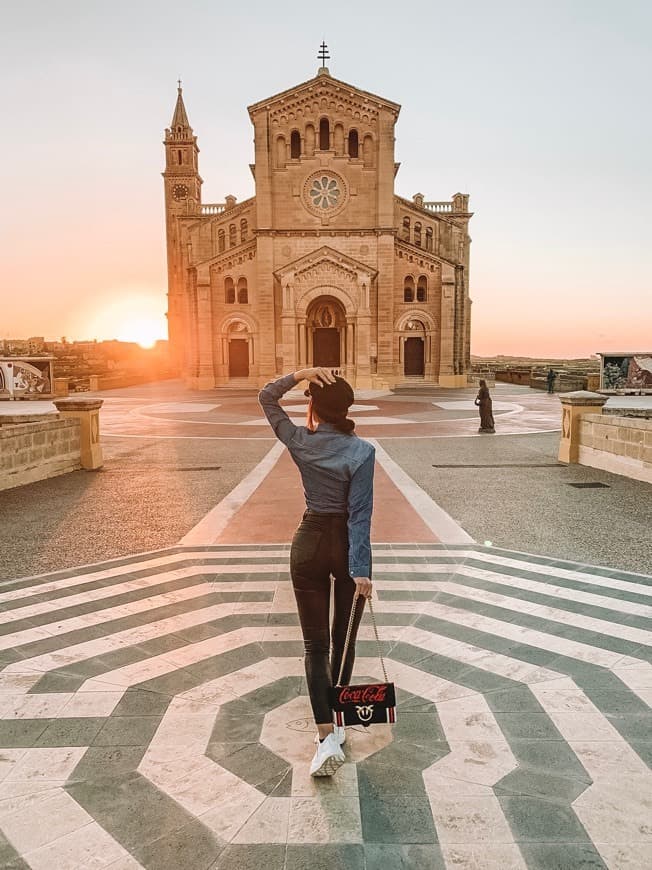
x,y
363,704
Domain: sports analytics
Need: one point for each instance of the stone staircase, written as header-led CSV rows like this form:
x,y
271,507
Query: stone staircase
x,y
416,387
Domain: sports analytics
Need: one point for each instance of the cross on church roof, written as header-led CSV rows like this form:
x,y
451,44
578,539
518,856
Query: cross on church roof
x,y
323,55
179,83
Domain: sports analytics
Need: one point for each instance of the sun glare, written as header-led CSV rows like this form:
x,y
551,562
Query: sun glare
x,y
143,331
131,316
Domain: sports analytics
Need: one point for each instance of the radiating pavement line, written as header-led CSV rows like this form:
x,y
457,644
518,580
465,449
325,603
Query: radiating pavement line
x,y
216,520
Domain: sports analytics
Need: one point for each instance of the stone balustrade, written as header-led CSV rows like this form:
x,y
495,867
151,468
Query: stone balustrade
x,y
212,208
438,206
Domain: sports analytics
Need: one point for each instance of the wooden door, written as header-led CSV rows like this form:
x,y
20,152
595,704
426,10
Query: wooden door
x,y
326,347
238,358
413,357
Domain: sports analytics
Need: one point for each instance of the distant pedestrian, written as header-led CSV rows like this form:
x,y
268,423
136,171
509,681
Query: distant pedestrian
x,y
550,377
483,401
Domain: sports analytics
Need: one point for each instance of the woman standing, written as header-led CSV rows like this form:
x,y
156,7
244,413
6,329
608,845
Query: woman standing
x,y
483,400
337,470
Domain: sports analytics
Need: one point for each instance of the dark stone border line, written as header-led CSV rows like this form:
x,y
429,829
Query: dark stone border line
x,y
592,610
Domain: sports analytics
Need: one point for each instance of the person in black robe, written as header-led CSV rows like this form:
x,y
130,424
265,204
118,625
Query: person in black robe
x,y
483,401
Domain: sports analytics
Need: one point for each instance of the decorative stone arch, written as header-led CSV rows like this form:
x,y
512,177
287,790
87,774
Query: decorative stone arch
x,y
238,345
303,302
410,328
415,314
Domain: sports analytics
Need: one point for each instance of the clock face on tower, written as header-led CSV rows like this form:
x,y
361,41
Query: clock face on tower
x,y
179,192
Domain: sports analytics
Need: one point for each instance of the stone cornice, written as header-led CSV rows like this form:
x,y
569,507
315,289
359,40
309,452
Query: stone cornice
x,y
427,256
322,85
314,233
224,257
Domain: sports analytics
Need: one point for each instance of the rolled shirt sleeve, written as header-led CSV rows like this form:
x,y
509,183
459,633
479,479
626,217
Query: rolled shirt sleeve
x,y
360,504
269,397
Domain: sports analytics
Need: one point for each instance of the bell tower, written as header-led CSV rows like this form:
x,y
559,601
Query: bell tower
x,y
182,180
182,197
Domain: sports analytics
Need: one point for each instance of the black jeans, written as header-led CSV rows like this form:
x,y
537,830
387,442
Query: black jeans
x,y
320,547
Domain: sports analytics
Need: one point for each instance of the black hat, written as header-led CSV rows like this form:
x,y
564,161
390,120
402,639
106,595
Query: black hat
x,y
334,399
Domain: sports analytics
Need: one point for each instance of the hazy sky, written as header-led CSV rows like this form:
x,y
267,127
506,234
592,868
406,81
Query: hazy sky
x,y
539,110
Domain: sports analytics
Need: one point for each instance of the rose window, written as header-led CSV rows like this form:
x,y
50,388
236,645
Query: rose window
x,y
325,192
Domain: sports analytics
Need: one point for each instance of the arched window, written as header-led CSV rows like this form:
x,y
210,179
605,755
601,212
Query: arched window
x,y
243,230
324,135
408,289
295,145
221,241
428,238
417,234
422,288
229,291
354,145
280,152
406,228
179,157
232,236
243,294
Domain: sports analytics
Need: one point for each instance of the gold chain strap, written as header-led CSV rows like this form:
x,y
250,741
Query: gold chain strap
x,y
348,636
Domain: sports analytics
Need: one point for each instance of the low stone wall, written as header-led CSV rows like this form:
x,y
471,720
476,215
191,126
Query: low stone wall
x,y
514,376
37,450
622,445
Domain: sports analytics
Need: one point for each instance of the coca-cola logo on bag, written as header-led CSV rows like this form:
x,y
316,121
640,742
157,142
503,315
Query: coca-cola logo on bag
x,y
363,695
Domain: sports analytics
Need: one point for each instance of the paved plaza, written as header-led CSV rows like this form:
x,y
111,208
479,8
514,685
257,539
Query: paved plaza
x,y
153,708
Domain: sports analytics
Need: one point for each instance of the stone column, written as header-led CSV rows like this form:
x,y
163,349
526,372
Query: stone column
x,y
448,377
87,411
573,406
289,330
302,344
206,374
362,366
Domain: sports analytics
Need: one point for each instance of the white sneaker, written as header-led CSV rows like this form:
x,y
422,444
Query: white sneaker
x,y
340,733
328,757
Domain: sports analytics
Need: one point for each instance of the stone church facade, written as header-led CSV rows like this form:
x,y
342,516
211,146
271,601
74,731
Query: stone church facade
x,y
325,265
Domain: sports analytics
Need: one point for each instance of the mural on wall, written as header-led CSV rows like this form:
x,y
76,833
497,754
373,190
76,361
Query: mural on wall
x,y
627,372
22,378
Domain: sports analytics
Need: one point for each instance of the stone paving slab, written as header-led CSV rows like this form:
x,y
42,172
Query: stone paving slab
x,y
179,735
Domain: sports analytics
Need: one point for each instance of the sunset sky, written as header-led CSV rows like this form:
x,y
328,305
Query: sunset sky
x,y
540,111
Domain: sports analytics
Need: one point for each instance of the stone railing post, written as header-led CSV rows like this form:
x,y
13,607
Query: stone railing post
x,y
61,387
87,411
573,406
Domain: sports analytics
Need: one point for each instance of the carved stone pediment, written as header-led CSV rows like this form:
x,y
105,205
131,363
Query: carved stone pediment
x,y
326,271
325,261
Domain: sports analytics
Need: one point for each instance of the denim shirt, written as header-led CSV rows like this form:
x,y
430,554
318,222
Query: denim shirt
x,y
337,471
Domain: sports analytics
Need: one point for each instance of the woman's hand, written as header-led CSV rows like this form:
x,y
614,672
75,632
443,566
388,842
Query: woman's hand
x,y
363,586
316,375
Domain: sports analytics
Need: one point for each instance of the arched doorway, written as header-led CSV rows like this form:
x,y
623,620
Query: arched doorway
x,y
326,322
238,341
414,349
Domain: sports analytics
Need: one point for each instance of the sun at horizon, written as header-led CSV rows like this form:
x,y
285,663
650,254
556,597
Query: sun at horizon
x,y
144,331
132,315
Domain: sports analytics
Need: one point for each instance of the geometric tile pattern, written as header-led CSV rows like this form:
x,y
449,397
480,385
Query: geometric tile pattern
x,y
153,714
